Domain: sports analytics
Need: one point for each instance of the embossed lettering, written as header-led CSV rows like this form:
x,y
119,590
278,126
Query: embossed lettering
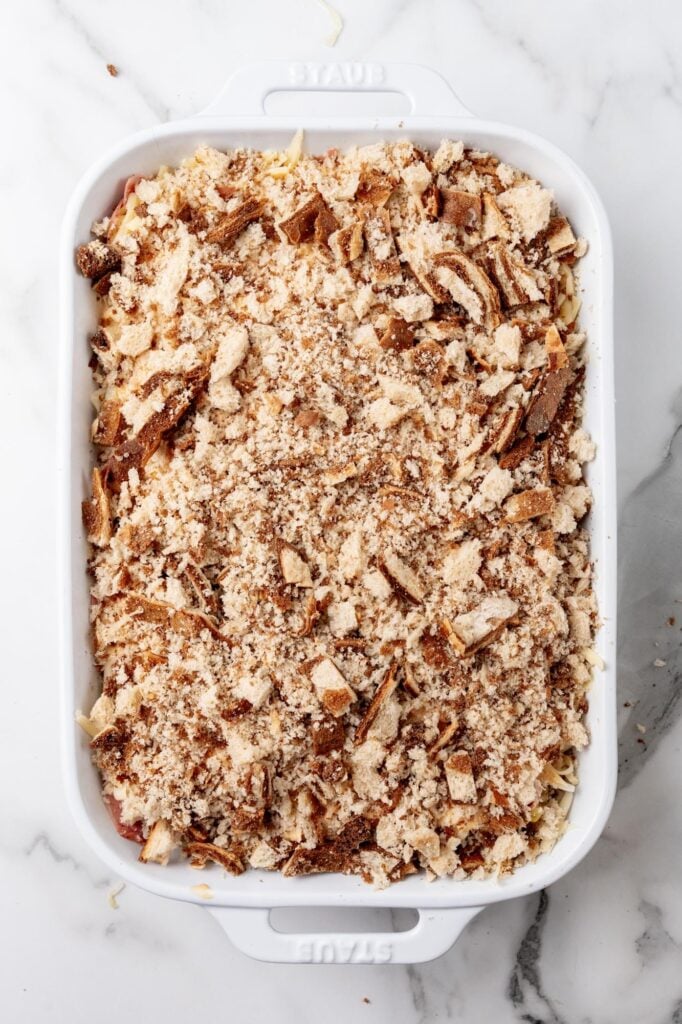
x,y
350,75
383,953
375,74
297,74
326,953
344,951
304,952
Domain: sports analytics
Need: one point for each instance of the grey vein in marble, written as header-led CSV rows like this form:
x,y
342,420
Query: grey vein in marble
x,y
525,989
517,40
650,587
43,842
655,939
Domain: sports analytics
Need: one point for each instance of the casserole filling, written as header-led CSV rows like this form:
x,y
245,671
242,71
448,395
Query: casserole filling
x,y
341,594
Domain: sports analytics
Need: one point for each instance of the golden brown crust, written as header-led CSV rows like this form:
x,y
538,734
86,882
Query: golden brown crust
x,y
463,209
95,259
469,286
398,335
546,399
514,279
313,221
199,853
529,504
337,854
557,357
136,452
348,242
383,693
97,513
374,187
402,578
230,226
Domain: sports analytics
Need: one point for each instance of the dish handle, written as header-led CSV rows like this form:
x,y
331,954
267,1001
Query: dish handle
x,y
435,932
245,92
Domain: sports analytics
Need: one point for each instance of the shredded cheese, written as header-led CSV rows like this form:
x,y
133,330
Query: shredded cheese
x,y
337,23
205,892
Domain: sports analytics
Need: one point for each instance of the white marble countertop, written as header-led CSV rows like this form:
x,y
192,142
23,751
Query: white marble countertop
x,y
604,81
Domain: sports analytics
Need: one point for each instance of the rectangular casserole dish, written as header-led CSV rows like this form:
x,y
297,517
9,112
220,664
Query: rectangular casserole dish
x,y
237,117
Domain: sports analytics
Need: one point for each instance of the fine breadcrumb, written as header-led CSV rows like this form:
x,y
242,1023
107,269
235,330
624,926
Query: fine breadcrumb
x,y
341,594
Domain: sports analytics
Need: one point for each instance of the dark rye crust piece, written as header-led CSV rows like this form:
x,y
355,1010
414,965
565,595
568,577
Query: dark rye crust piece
x,y
341,596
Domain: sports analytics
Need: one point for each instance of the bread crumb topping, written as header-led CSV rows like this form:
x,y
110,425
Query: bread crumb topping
x,y
341,594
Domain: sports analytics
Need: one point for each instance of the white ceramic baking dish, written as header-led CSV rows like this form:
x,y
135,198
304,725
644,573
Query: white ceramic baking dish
x,y
237,117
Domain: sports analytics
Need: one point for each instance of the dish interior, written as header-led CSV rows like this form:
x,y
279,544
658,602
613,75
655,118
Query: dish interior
x,y
590,808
